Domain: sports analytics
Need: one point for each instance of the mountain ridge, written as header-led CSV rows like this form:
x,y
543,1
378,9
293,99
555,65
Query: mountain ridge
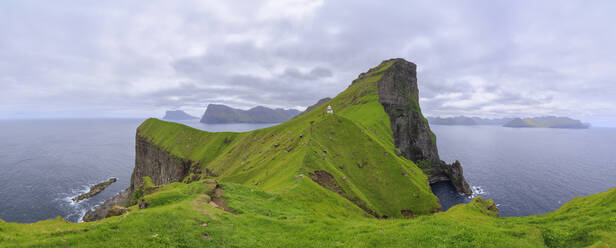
x,y
178,115
467,121
547,122
220,114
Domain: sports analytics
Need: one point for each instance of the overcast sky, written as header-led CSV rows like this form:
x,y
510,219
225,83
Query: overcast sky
x,y
139,58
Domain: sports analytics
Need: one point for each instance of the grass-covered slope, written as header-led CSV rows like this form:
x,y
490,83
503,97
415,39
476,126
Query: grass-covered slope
x,y
354,147
308,217
317,180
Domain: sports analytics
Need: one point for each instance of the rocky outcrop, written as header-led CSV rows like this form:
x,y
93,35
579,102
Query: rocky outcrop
x,y
101,211
116,211
399,95
151,161
94,190
158,164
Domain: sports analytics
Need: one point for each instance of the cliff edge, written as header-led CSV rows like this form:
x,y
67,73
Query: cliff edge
x,y
150,161
399,95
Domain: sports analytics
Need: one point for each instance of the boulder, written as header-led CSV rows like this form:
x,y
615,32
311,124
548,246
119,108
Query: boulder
x,y
116,211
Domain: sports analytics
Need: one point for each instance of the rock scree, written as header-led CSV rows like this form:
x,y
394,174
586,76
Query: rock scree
x,y
399,95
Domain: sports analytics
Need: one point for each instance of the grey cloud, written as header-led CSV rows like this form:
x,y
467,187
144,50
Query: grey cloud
x,y
314,74
480,58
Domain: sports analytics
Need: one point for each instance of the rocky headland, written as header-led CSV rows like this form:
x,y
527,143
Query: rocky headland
x,y
220,114
399,95
321,179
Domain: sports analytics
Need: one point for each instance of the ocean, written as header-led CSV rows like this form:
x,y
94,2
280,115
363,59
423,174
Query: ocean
x,y
44,163
528,171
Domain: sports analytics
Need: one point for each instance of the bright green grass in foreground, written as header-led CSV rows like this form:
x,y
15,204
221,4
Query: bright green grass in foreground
x,y
306,216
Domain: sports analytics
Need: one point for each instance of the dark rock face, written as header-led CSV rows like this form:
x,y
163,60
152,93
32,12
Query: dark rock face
x,y
399,95
160,165
177,115
151,161
94,190
217,114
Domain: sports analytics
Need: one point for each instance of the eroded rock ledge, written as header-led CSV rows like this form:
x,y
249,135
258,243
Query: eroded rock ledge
x,y
94,190
399,95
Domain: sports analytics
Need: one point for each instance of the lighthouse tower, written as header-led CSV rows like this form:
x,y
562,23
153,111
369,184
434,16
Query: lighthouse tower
x,y
329,109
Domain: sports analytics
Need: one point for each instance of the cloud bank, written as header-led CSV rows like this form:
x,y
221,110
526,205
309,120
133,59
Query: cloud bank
x,y
136,58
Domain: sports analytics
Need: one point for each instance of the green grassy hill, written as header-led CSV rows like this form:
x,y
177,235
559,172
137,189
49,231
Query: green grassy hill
x,y
354,147
318,180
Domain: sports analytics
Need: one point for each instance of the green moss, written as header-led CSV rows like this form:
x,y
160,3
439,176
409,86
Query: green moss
x,y
147,183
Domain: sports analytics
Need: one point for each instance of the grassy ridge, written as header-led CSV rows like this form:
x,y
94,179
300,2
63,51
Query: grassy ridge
x,y
266,177
355,146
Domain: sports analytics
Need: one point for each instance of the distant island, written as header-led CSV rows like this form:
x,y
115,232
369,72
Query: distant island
x,y
547,122
178,115
467,121
219,114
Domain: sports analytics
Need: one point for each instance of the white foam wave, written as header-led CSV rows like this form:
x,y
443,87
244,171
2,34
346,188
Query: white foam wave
x,y
76,192
76,209
478,190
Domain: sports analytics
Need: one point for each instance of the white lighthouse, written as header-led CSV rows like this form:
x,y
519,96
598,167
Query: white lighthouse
x,y
329,109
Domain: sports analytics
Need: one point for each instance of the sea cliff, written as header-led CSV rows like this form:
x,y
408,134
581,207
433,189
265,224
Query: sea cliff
x,y
151,161
399,95
318,180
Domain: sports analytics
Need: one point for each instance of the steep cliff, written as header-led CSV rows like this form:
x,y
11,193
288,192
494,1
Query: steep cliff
x,y
150,161
158,164
399,95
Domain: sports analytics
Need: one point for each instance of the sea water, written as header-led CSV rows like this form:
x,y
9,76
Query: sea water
x,y
45,163
528,171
